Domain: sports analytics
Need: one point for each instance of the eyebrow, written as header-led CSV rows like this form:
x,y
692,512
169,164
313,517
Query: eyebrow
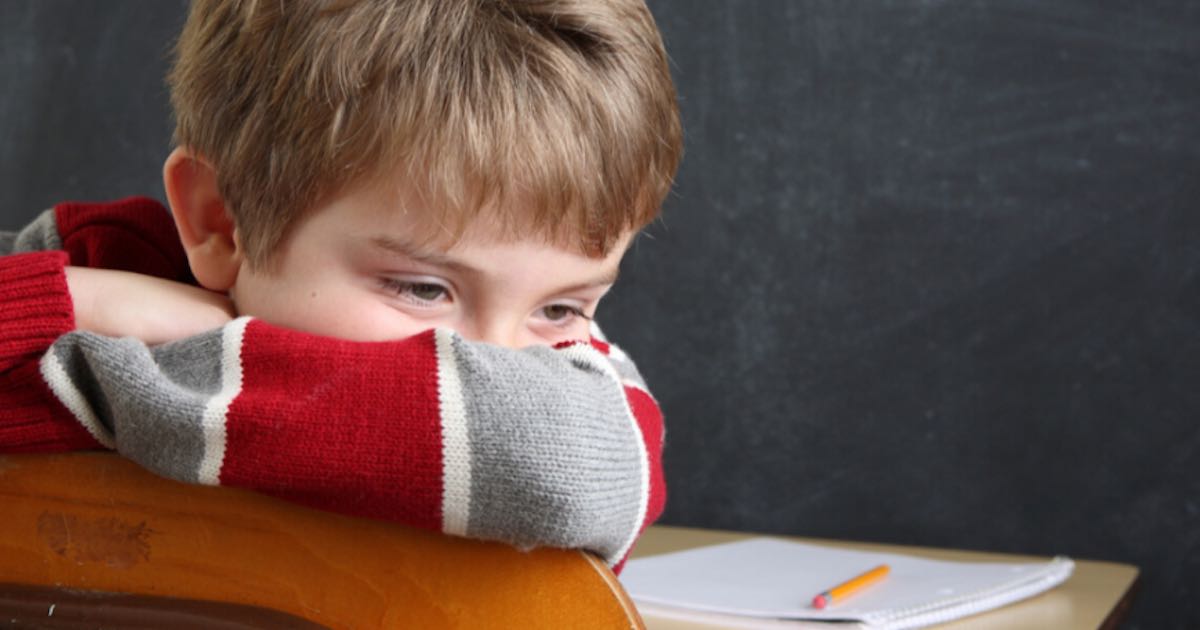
x,y
436,259
423,255
609,278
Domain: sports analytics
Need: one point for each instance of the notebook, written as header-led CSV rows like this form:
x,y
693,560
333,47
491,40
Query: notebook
x,y
769,583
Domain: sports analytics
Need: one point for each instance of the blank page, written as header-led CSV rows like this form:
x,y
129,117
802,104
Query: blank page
x,y
766,577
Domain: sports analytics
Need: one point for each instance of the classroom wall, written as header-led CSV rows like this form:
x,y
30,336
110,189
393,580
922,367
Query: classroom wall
x,y
930,273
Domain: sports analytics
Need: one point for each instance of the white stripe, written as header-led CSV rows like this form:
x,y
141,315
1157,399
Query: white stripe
x,y
217,410
593,357
60,383
456,441
644,496
587,355
638,386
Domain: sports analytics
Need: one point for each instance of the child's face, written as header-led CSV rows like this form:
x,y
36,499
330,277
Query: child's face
x,y
348,271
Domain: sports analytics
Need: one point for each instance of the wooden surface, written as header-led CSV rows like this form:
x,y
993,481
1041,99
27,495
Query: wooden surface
x,y
1084,602
96,521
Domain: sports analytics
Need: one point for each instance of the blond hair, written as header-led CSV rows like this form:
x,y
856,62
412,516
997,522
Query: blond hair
x,y
559,113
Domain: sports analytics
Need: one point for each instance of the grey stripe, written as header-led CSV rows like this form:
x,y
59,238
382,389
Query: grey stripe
x,y
193,363
40,235
628,372
554,459
153,401
625,367
74,358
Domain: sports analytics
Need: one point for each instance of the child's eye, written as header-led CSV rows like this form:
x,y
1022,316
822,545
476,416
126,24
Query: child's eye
x,y
562,313
420,292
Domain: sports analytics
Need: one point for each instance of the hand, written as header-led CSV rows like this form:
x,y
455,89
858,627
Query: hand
x,y
125,304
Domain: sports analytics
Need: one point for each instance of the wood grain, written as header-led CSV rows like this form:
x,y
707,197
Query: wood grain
x,y
96,521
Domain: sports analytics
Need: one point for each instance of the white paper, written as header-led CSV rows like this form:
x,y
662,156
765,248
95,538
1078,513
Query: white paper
x,y
772,578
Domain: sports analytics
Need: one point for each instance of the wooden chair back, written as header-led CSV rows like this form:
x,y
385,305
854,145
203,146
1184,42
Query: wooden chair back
x,y
94,528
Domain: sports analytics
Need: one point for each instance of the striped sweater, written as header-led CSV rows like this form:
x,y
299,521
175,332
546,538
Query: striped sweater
x,y
535,447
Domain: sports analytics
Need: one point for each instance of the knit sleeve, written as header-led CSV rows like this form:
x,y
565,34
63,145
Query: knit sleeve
x,y
35,309
35,305
41,234
541,446
133,234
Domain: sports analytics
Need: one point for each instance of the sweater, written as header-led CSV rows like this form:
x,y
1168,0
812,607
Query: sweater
x,y
534,447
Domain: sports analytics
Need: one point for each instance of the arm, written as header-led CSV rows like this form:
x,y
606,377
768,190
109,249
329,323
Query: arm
x,y
133,234
126,252
542,446
35,304
543,466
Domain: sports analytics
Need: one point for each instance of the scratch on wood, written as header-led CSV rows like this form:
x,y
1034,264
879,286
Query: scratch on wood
x,y
111,541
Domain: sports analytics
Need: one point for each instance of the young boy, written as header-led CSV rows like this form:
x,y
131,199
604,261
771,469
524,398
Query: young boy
x,y
401,217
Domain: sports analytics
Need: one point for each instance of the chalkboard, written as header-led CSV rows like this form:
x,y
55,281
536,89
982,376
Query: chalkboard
x,y
930,273
84,110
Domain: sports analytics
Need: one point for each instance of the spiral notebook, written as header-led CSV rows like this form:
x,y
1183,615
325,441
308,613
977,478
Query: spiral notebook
x,y
769,583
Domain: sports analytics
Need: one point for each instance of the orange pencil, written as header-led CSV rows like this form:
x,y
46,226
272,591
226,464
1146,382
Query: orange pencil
x,y
849,587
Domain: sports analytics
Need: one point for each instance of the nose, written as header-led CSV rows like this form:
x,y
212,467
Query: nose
x,y
499,333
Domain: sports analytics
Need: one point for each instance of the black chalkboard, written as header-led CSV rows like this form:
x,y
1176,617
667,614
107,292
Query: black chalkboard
x,y
84,109
930,273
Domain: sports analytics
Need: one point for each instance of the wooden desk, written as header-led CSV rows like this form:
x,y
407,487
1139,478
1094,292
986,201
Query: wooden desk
x,y
1097,595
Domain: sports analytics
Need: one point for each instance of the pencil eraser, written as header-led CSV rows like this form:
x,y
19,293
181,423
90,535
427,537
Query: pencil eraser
x,y
819,602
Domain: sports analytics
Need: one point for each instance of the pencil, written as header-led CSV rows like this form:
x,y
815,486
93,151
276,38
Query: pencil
x,y
849,587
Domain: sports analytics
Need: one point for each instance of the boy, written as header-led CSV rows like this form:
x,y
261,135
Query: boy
x,y
403,215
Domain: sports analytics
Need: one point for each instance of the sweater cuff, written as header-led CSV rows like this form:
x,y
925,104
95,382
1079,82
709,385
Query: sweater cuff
x,y
31,418
35,305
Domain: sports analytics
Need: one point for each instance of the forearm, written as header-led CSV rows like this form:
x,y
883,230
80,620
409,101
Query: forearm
x,y
154,310
133,234
35,306
37,310
41,266
533,447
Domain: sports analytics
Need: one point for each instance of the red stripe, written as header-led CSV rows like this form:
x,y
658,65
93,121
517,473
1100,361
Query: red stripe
x,y
649,418
33,420
343,426
602,346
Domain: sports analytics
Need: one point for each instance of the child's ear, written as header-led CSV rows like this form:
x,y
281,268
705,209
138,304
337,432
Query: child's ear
x,y
205,226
